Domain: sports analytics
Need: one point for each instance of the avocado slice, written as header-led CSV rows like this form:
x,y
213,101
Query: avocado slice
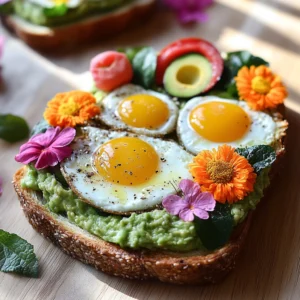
x,y
188,76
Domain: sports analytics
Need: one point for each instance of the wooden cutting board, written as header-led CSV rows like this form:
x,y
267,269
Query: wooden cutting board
x,y
269,266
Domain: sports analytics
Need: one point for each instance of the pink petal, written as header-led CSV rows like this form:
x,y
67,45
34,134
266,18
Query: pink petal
x,y
189,187
31,145
61,153
174,204
204,201
200,213
188,16
29,155
45,139
1,186
186,215
46,159
64,138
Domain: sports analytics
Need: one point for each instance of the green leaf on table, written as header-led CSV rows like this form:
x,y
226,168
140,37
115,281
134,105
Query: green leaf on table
x,y
17,256
260,156
130,52
144,67
215,231
40,127
13,128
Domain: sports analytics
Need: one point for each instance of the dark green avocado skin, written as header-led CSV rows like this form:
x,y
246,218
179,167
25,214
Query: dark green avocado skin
x,y
39,15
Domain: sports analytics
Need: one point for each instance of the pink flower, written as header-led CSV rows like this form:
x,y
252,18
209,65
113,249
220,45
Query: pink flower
x,y
189,10
47,149
194,202
1,188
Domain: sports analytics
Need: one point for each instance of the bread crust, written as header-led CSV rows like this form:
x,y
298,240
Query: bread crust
x,y
91,29
179,268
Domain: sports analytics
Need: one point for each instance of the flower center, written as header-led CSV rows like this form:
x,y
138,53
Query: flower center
x,y
219,171
70,108
260,85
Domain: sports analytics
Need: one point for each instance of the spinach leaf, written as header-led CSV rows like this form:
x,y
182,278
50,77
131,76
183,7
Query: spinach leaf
x,y
144,67
13,128
40,127
130,52
56,11
215,231
17,256
236,60
233,62
260,156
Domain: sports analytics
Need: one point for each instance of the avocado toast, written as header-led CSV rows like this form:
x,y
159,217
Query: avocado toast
x,y
51,26
124,178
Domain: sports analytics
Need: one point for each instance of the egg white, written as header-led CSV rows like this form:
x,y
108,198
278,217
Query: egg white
x,y
263,129
109,114
91,187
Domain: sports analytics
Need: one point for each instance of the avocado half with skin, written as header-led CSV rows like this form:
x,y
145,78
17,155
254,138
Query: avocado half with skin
x,y
188,76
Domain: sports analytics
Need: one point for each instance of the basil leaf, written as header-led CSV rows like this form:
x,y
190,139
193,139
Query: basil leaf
x,y
260,156
144,67
215,231
236,60
40,127
17,256
13,128
130,52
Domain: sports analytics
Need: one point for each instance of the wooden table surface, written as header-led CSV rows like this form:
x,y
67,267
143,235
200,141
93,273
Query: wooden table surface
x,y
269,265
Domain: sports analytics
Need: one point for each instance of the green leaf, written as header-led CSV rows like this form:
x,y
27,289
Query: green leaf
x,y
13,128
40,127
260,156
144,67
17,256
236,60
56,11
215,231
131,52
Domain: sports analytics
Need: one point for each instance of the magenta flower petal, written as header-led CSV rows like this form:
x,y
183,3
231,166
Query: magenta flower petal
x,y
201,213
188,16
47,149
186,215
174,204
64,138
62,153
46,159
1,186
47,138
205,201
28,156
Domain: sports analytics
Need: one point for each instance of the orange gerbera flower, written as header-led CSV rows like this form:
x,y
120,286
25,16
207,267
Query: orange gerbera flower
x,y
71,109
224,173
260,87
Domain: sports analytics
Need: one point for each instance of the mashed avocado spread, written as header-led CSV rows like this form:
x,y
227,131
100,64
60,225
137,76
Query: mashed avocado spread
x,y
152,230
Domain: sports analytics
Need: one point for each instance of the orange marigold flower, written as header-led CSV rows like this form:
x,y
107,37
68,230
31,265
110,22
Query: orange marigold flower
x,y
71,108
260,87
224,173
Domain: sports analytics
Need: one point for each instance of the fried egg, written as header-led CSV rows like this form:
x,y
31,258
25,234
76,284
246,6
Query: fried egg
x,y
135,109
120,172
206,122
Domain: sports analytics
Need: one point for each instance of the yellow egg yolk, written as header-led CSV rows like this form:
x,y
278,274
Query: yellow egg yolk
x,y
219,122
143,111
126,160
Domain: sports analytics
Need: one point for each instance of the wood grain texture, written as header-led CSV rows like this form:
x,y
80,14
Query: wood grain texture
x,y
269,266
